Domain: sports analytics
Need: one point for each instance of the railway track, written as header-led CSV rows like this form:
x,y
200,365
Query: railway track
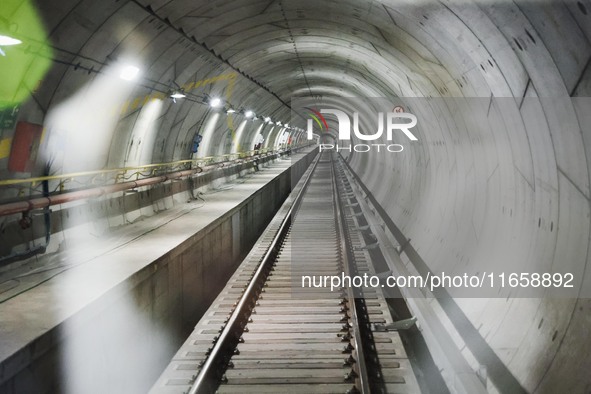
x,y
265,333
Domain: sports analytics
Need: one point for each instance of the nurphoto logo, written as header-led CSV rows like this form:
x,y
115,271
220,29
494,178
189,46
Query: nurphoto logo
x,y
391,119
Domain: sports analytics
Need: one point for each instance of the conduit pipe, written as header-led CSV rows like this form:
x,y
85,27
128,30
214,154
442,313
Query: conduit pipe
x,y
42,202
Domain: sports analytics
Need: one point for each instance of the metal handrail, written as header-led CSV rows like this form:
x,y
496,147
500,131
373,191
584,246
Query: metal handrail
x,y
123,170
31,203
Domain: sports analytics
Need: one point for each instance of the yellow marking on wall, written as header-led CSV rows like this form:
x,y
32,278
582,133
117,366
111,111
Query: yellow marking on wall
x,y
124,107
5,147
232,80
132,105
138,102
229,90
43,133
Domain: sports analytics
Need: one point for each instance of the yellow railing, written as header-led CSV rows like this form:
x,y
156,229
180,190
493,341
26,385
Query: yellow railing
x,y
126,173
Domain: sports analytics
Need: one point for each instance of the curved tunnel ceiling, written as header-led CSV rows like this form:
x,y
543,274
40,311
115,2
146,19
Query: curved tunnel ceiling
x,y
463,194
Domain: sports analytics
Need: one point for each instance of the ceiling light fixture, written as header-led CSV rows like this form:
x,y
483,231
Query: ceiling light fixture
x,y
179,94
8,41
215,102
249,114
129,73
230,111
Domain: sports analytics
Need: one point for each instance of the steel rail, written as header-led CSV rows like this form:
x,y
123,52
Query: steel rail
x,y
209,376
363,385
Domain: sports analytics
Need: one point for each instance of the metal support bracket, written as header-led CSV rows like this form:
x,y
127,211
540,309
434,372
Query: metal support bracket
x,y
367,247
396,326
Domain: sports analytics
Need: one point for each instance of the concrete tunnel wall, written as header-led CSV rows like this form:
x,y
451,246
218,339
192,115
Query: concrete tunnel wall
x,y
474,198
454,204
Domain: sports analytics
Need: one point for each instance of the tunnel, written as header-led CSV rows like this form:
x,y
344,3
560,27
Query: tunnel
x,y
147,146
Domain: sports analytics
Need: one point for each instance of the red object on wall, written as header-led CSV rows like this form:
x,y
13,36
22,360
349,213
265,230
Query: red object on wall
x,y
25,145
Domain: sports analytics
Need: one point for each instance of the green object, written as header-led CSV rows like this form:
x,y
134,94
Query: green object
x,y
22,66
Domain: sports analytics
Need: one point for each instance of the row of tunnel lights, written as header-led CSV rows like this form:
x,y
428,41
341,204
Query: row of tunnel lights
x,y
130,73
